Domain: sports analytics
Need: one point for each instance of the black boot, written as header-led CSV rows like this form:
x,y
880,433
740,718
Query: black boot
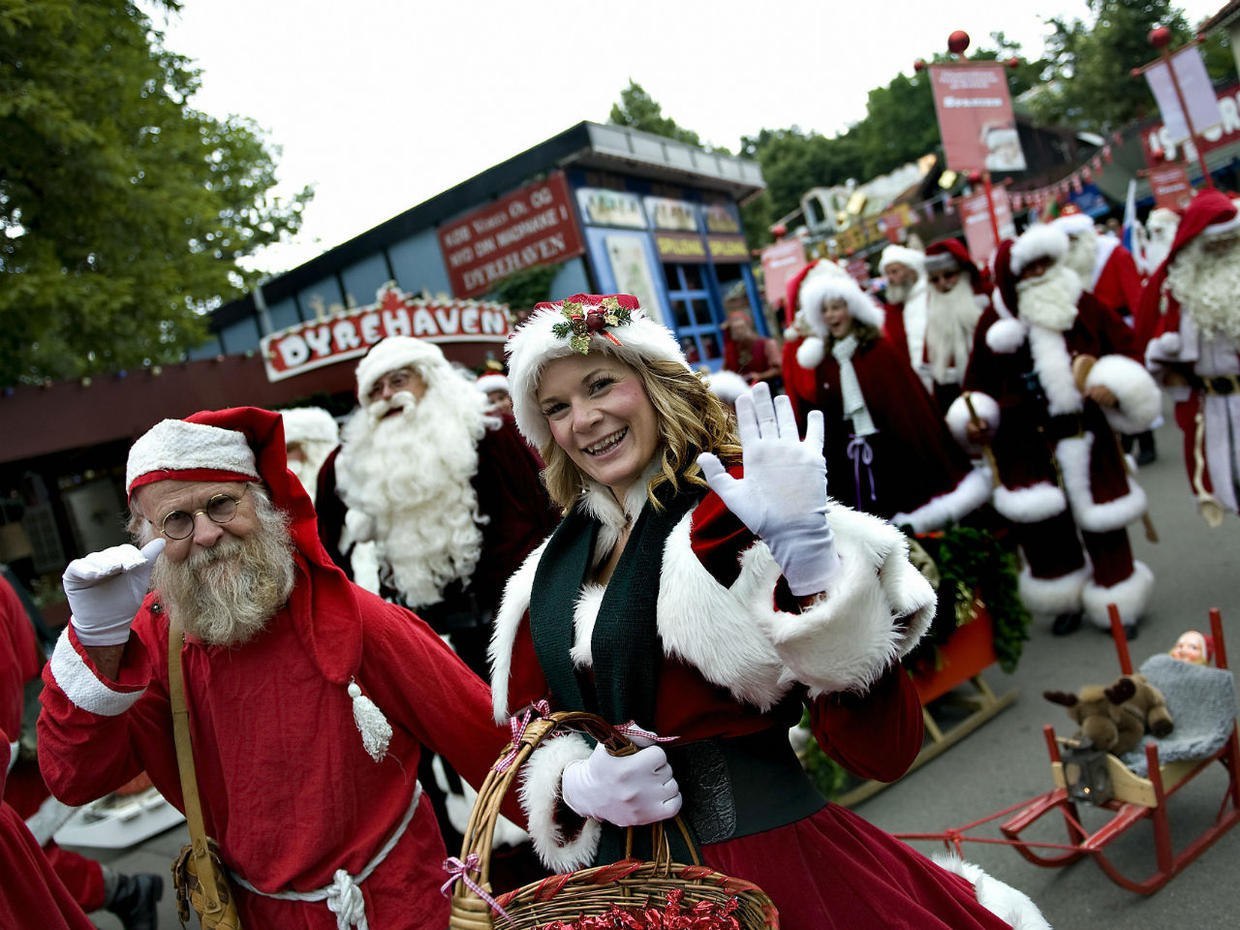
x,y
1065,624
134,901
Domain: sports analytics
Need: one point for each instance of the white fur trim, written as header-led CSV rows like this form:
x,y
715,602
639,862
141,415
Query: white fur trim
x,y
512,608
459,806
534,344
819,289
727,385
1005,335
847,640
390,354
811,352
915,322
1053,365
493,382
1030,504
1223,228
972,491
1074,457
958,418
1166,347
1074,223
539,793
82,686
1139,399
902,255
1041,241
1131,596
309,424
177,445
1005,902
1052,595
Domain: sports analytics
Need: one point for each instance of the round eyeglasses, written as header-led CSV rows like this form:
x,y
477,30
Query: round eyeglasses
x,y
220,509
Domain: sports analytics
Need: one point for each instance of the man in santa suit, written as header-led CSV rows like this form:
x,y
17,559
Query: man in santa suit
x,y
904,299
1046,389
955,300
310,700
878,417
1190,311
446,489
1156,237
310,435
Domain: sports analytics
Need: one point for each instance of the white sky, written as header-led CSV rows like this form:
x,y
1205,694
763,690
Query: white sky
x,y
381,104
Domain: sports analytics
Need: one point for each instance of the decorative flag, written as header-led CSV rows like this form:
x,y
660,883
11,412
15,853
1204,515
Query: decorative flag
x,y
1129,234
1106,154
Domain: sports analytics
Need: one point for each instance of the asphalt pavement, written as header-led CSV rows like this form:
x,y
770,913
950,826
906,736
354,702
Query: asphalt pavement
x,y
1005,761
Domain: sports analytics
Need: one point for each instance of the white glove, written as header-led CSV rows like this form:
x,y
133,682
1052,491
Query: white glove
x,y
105,590
783,496
625,790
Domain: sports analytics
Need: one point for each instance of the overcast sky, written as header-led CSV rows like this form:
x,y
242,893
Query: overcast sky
x,y
381,104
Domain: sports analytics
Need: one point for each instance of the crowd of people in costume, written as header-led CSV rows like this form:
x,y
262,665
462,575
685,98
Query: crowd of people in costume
x,y
360,613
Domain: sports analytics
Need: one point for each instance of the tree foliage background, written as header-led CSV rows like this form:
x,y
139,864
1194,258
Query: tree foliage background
x,y
123,211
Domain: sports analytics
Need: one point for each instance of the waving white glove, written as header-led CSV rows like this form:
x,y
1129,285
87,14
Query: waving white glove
x,y
105,590
783,496
625,790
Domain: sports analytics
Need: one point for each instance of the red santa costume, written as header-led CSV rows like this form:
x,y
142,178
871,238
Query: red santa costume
x,y
1107,269
306,737
904,309
690,636
1065,489
951,319
1189,311
879,418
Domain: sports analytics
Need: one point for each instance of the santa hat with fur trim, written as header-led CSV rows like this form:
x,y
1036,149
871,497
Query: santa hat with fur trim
x,y
248,444
309,424
1210,213
1073,221
902,255
945,254
611,323
792,290
395,352
1007,333
815,293
493,381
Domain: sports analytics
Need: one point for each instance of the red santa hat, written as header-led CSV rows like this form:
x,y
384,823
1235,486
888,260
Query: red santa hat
x,y
248,444
792,290
815,294
613,323
902,255
493,381
946,254
396,352
1073,221
1210,213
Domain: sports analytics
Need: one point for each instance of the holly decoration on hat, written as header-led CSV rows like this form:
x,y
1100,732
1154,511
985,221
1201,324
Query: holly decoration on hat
x,y
582,320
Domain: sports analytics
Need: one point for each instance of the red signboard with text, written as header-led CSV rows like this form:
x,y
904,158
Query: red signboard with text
x,y
979,235
1170,186
531,226
974,109
779,263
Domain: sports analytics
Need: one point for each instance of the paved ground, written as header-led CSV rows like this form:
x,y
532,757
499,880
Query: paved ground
x,y
1005,761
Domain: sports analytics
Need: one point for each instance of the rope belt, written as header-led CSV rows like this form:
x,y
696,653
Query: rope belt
x,y
343,896
862,456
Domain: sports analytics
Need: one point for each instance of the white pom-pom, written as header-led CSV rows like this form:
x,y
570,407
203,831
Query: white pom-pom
x,y
1005,336
376,731
1170,344
811,353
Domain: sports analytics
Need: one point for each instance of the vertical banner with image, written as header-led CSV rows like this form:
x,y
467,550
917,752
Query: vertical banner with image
x,y
975,115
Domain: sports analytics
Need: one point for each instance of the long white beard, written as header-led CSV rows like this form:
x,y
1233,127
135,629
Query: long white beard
x,y
951,319
1207,285
227,594
1050,300
898,293
307,471
1082,255
410,475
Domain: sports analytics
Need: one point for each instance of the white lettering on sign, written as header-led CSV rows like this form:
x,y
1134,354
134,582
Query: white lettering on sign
x,y
1159,142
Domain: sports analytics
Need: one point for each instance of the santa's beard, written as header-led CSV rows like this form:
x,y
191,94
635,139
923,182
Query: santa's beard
x,y
226,595
1050,300
1082,254
951,319
898,293
1207,285
409,476
307,468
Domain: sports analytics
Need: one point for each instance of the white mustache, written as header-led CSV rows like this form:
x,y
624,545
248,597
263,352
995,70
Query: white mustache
x,y
401,400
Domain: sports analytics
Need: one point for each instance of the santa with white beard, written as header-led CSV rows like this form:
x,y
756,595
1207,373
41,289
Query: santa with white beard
x,y
1046,389
1107,269
955,299
1191,314
904,299
448,492
1156,237
310,435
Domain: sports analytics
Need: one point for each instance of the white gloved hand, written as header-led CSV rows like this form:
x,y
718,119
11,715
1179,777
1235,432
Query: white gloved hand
x,y
625,790
783,496
105,590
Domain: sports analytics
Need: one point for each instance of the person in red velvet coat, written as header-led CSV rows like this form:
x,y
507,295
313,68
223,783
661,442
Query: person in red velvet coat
x,y
904,299
703,588
879,417
1049,387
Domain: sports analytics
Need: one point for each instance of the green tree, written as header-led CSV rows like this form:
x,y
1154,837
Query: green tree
x,y
123,211
638,110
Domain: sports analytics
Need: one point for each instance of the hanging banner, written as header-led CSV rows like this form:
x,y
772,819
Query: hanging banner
x,y
1195,89
534,225
1170,187
976,122
308,346
1159,147
975,218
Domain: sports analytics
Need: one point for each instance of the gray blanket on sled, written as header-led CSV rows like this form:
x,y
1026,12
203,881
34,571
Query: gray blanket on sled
x,y
1202,701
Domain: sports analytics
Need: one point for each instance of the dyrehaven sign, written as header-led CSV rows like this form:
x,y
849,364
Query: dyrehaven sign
x,y
308,346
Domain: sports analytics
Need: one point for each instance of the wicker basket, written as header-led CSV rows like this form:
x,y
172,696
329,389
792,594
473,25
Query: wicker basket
x,y
594,891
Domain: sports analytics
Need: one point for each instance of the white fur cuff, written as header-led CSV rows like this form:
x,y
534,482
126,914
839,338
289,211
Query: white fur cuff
x,y
1005,902
83,687
972,491
1052,595
540,795
1134,388
1131,596
1031,504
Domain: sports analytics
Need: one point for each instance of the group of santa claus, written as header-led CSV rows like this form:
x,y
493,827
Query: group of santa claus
x,y
1014,391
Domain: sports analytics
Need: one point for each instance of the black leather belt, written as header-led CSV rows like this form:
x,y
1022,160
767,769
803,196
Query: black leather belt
x,y
1064,426
1216,384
